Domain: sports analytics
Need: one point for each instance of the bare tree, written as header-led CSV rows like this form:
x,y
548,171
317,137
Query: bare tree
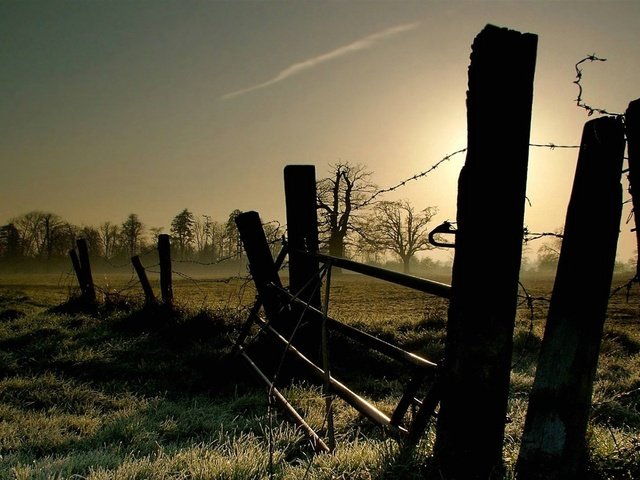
x,y
339,197
43,234
109,234
396,227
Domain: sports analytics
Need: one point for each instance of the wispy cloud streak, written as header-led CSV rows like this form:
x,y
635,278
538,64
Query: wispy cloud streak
x,y
361,44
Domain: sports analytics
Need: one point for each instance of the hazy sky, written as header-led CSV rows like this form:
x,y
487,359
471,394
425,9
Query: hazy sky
x,y
150,107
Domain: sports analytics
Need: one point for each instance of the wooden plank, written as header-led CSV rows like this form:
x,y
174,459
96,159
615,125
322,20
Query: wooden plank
x,y
363,337
318,444
410,281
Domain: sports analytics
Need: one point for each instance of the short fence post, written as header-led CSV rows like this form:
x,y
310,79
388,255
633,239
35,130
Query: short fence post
x,y
149,297
553,444
261,264
88,289
491,201
632,125
78,269
302,233
166,283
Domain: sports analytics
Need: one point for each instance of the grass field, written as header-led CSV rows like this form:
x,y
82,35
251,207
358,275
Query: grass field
x,y
129,393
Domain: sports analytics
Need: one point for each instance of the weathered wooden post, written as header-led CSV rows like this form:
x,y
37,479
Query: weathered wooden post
x,y
149,296
261,265
491,200
553,444
166,283
88,289
632,125
77,269
302,233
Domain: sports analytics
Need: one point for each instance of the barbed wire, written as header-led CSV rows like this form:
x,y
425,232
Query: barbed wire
x,y
531,236
404,182
578,81
417,176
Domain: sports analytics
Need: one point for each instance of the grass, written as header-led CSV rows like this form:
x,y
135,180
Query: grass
x,y
133,392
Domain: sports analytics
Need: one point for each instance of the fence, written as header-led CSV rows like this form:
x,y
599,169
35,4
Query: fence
x,y
482,302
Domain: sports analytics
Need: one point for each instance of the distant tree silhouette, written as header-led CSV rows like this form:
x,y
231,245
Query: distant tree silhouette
x,y
182,231
43,234
396,227
231,236
10,242
549,253
109,234
131,232
338,197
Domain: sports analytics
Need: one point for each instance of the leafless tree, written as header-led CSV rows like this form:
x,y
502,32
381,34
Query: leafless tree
x,y
339,196
396,227
109,234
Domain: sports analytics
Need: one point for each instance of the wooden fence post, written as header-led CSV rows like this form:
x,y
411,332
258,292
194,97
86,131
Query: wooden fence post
x,y
88,290
553,444
302,233
491,199
261,264
149,297
632,125
78,269
166,283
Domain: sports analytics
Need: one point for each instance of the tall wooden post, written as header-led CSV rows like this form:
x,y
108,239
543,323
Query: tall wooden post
x,y
491,199
632,125
302,233
88,290
166,282
553,444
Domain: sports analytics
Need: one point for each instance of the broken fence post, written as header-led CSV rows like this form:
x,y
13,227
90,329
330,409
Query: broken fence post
x,y
261,265
149,297
553,443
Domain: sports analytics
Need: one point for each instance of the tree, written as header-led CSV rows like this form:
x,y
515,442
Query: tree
x,y
9,241
182,230
43,234
549,253
398,228
339,197
232,236
274,232
131,233
109,234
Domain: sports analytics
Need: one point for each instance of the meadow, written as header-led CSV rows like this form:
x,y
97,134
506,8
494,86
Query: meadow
x,y
128,392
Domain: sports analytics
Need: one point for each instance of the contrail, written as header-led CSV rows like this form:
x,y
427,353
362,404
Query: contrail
x,y
362,44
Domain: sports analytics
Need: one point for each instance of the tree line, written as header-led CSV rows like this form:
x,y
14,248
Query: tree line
x,y
352,223
46,236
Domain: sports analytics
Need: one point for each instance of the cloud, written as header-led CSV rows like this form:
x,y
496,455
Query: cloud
x,y
361,44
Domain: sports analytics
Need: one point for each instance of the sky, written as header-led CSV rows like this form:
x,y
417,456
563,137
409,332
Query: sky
x,y
149,107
